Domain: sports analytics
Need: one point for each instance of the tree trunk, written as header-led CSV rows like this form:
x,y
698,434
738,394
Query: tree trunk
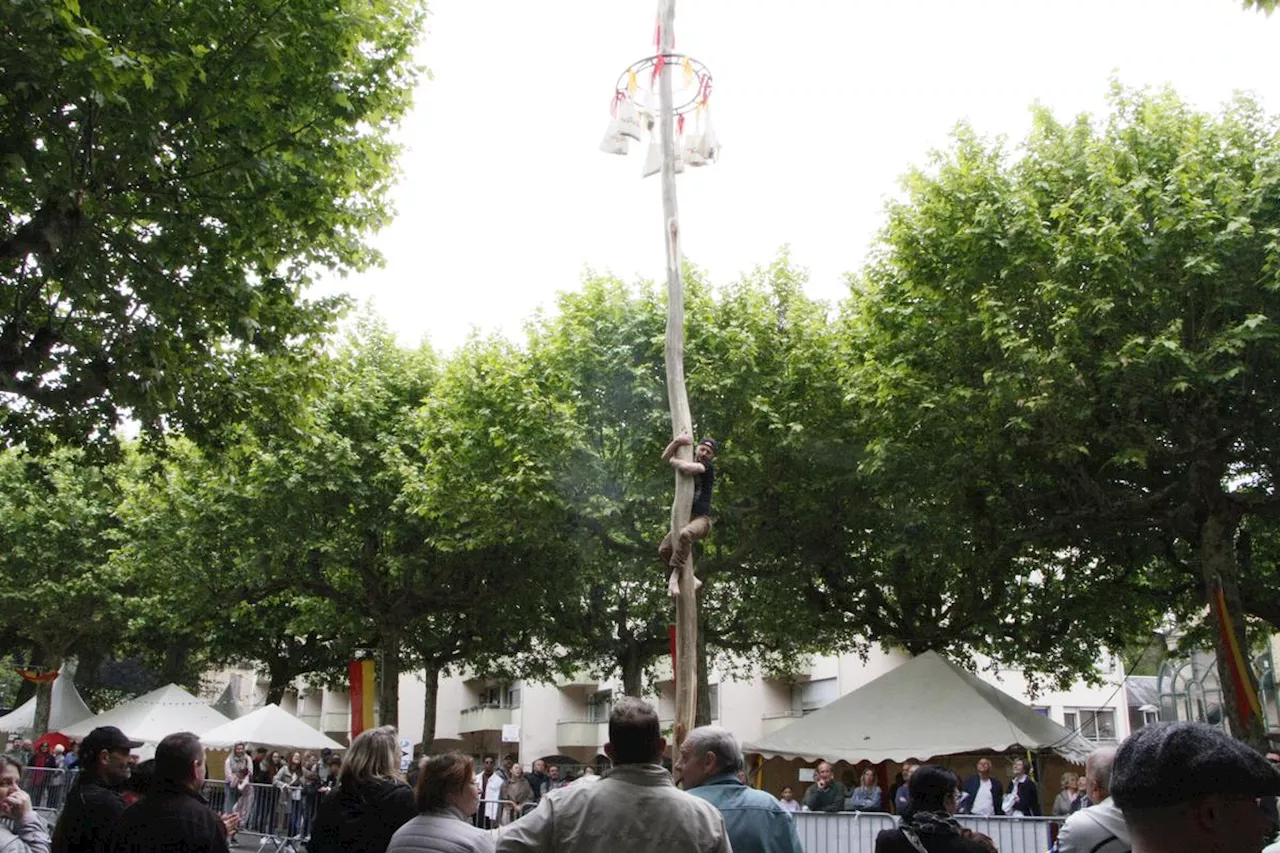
x,y
44,694
177,662
677,396
632,669
279,676
389,681
1218,566
431,674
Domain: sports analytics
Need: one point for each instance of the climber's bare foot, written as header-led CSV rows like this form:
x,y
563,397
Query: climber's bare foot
x,y
673,584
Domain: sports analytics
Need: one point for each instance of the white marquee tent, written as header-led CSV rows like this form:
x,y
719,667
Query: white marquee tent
x,y
152,716
66,708
270,725
925,708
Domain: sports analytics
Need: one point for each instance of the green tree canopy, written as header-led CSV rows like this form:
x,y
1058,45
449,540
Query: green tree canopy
x,y
58,591
1076,347
171,177
761,372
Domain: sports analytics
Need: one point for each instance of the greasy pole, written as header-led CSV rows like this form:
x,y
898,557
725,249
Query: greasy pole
x,y
686,674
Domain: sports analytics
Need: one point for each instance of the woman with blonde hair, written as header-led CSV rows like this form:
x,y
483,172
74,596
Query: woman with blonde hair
x,y
446,798
1062,803
370,800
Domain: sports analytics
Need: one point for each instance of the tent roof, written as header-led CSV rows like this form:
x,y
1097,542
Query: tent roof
x,y
269,725
66,708
924,708
227,705
152,716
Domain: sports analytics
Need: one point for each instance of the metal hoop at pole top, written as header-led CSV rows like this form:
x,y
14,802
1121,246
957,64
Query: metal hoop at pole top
x,y
634,111
694,94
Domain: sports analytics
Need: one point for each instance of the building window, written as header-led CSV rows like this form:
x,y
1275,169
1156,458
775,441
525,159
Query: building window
x,y
713,694
599,705
499,696
809,696
1094,724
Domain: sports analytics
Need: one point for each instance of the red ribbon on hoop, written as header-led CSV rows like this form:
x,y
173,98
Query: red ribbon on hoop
x,y
617,99
680,123
658,64
704,88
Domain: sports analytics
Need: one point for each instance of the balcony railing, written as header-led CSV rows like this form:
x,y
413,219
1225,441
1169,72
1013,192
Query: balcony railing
x,y
581,733
770,723
483,718
581,678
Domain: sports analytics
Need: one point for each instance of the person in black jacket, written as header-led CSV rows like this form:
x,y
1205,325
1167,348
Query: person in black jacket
x,y
928,824
94,803
173,816
369,803
1026,794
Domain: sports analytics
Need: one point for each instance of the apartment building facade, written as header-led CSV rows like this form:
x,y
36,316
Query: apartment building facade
x,y
566,720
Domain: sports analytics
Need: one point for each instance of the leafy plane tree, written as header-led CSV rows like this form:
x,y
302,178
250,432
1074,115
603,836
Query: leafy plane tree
x,y
1080,343
171,176
57,518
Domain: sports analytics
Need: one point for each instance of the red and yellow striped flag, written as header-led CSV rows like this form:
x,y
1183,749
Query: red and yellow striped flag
x,y
1246,696
363,686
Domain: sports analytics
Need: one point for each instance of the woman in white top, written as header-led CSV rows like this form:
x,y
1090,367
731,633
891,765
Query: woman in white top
x,y
788,800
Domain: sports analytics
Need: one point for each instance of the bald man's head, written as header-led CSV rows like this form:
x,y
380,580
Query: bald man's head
x,y
1097,771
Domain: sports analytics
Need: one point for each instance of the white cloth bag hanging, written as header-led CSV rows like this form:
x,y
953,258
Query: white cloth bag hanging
x,y
653,158
628,121
691,149
613,142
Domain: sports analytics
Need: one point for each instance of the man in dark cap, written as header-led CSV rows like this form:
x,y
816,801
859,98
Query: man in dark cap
x,y
94,804
1189,788
704,479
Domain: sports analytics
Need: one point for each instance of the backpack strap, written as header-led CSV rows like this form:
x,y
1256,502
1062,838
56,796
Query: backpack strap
x,y
913,839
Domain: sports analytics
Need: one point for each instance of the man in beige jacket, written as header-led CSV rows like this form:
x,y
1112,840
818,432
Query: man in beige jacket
x,y
635,809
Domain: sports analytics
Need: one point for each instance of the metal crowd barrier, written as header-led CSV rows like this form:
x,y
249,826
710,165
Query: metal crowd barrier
x,y
47,787
1017,834
281,817
855,832
508,812
842,832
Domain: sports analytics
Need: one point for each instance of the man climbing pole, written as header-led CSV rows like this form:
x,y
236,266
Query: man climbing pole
x,y
704,478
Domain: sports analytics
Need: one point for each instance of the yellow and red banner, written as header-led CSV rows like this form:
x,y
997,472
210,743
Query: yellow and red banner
x,y
37,677
362,691
1238,671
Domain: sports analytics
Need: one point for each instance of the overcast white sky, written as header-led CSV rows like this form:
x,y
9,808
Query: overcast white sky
x,y
821,105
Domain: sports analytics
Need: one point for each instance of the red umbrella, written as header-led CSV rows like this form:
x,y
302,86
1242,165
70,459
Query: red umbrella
x,y
53,739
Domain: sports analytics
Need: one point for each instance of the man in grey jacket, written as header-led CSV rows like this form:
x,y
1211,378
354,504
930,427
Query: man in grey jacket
x,y
1099,828
636,809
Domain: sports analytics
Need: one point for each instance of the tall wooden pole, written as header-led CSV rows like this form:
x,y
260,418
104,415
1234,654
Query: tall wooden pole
x,y
687,604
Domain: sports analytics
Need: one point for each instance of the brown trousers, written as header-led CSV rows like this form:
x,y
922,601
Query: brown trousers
x,y
696,530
